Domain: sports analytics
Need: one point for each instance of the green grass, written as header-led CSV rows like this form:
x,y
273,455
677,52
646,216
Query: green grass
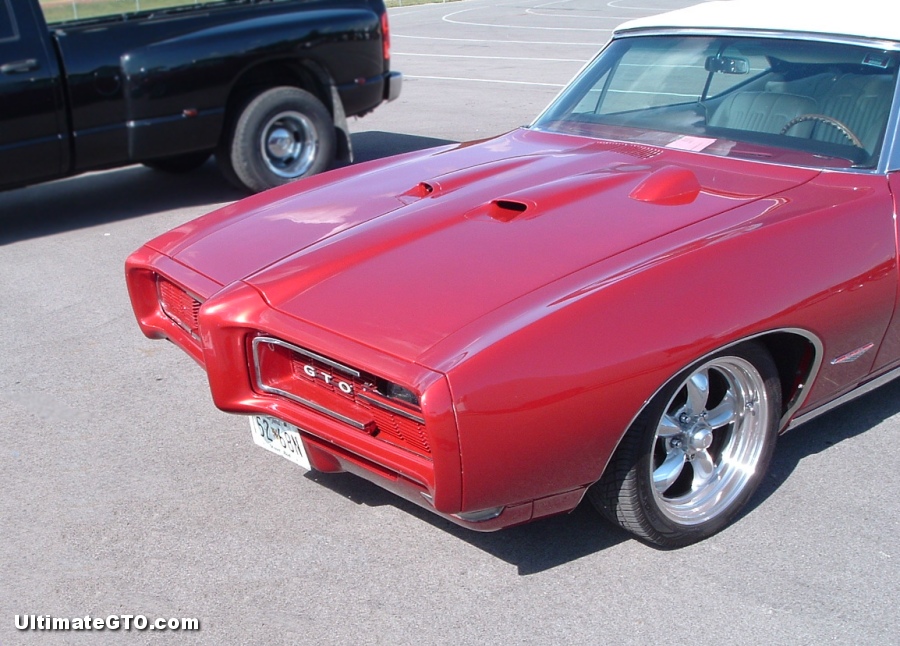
x,y
63,10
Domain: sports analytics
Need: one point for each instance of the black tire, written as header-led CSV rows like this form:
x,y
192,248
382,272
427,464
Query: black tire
x,y
697,452
280,135
179,163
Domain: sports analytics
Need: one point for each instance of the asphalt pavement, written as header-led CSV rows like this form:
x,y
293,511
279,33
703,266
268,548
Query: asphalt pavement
x,y
124,491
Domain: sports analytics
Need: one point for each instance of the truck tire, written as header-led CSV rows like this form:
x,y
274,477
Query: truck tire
x,y
280,135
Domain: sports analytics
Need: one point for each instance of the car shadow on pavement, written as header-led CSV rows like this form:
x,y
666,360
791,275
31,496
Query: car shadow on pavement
x,y
536,547
820,434
532,548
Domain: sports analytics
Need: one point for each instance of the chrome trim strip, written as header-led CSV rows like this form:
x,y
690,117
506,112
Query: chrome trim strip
x,y
277,391
853,355
837,39
890,149
859,391
804,387
313,405
307,353
391,409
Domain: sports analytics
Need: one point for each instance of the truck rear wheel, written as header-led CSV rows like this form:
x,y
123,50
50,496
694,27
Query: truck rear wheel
x,y
282,134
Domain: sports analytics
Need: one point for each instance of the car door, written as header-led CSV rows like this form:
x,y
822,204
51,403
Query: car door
x,y
889,353
32,117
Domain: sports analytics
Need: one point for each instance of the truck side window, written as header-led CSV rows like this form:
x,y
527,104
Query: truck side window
x,y
7,24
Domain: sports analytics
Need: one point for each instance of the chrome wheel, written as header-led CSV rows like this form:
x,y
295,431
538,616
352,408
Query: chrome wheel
x,y
709,440
697,451
289,144
280,135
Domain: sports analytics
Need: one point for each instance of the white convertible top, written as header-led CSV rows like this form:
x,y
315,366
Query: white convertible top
x,y
869,19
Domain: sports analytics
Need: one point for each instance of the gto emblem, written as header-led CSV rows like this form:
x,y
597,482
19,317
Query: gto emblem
x,y
329,379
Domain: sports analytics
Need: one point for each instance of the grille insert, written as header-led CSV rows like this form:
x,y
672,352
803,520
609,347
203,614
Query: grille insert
x,y
179,306
349,395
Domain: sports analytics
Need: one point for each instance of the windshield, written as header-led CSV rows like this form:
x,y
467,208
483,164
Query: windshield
x,y
803,102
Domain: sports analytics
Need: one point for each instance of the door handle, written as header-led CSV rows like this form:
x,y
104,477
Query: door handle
x,y
19,67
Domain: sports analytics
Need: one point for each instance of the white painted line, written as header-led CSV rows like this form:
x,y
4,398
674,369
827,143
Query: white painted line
x,y
447,18
615,5
496,58
595,45
556,14
457,78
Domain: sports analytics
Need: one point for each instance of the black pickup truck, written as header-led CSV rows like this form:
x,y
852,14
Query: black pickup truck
x,y
265,85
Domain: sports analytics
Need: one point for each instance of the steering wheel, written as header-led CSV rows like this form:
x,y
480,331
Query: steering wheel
x,y
824,118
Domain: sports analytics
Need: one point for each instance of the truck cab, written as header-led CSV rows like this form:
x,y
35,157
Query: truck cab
x,y
33,127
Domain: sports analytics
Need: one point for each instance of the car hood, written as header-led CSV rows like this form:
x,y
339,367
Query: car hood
x,y
405,252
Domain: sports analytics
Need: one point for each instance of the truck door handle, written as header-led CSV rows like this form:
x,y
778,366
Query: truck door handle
x,y
19,67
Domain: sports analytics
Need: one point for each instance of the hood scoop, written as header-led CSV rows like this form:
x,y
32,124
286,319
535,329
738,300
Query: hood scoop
x,y
506,210
668,186
467,177
418,192
554,195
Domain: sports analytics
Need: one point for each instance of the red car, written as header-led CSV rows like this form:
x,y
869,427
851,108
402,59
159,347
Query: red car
x,y
691,251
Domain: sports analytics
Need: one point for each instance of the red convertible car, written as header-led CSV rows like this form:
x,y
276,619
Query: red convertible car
x,y
691,251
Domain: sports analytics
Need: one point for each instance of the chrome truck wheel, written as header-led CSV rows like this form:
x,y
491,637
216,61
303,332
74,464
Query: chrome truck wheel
x,y
281,135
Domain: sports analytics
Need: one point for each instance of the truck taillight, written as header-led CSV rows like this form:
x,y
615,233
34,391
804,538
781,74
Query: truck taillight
x,y
386,36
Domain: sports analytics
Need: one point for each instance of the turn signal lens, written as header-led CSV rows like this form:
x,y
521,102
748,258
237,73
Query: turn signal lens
x,y
398,393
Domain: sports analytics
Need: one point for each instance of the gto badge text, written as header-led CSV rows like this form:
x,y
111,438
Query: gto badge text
x,y
329,379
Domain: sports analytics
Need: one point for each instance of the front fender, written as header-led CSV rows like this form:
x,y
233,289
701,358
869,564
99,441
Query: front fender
x,y
546,387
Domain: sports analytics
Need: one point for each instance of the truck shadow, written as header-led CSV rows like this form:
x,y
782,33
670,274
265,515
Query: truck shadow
x,y
548,543
135,191
376,144
104,197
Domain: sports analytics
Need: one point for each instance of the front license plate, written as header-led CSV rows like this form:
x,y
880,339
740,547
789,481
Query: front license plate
x,y
280,438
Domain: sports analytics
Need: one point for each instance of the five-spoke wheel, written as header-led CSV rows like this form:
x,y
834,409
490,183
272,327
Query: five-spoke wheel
x,y
696,454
